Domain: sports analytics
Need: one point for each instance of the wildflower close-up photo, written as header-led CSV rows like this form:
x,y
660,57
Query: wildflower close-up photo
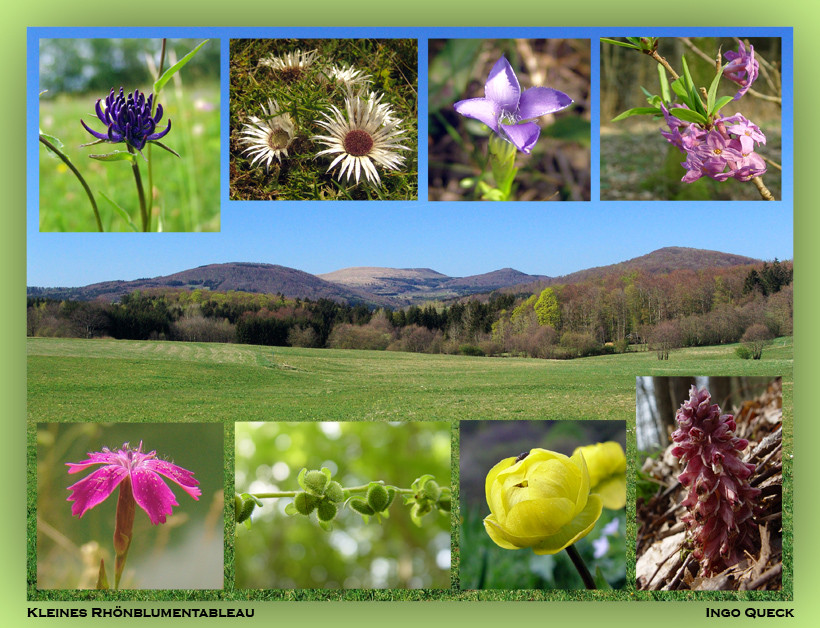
x,y
710,495
342,505
129,506
690,118
509,119
129,135
542,505
324,119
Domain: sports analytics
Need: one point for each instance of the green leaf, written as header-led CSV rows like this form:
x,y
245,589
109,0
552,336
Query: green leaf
x,y
166,76
721,103
687,77
326,473
102,579
620,43
665,96
419,482
121,211
687,115
291,509
54,140
161,145
712,94
637,111
301,478
600,581
326,526
680,89
117,155
695,102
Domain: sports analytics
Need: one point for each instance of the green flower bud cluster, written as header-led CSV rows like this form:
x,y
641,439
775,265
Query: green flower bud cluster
x,y
427,496
320,493
243,507
376,501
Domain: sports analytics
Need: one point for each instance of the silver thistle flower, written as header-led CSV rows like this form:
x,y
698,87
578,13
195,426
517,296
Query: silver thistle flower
x,y
365,133
269,137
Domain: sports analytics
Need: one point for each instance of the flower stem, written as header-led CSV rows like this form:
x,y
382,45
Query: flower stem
x,y
140,190
665,64
77,174
151,161
352,489
123,528
764,191
581,567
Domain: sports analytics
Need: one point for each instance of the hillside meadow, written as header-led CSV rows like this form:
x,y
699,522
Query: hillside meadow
x,y
120,380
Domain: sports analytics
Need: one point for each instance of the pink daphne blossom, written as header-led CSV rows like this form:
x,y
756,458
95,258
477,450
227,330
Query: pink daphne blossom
x,y
742,68
508,111
726,150
143,473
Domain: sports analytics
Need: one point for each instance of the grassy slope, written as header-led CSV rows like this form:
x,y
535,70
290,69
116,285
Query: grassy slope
x,y
71,379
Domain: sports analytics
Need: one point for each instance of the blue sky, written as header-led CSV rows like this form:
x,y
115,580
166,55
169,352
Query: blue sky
x,y
456,239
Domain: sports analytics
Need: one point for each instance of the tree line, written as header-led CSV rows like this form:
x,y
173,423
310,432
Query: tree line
x,y
615,313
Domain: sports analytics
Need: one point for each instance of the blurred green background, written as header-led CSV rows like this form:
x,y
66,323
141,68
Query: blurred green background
x,y
77,72
283,552
186,552
485,565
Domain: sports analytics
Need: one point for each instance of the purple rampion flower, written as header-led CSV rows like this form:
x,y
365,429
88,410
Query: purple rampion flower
x,y
142,470
128,119
742,68
505,108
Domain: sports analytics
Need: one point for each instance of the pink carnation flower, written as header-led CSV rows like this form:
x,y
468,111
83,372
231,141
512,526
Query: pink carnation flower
x,y
143,473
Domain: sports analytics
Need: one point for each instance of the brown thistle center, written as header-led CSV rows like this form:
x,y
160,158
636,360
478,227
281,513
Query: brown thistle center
x,y
290,74
278,139
358,143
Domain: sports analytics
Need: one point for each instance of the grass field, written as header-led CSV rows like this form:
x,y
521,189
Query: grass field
x,y
116,380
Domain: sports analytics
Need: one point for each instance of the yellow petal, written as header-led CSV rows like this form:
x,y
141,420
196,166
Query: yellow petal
x,y
583,485
498,534
494,496
612,492
577,529
539,517
607,472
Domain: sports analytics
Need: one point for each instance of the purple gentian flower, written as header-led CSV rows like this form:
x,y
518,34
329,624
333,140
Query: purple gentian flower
x,y
506,109
742,68
128,119
143,470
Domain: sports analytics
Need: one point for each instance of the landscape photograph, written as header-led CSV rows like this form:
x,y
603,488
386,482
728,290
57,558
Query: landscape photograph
x,y
254,340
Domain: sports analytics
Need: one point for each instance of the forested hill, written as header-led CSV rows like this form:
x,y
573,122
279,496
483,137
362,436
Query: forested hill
x,y
386,287
659,262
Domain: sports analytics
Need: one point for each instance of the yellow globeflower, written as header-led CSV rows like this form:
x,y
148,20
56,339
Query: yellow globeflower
x,y
606,463
541,501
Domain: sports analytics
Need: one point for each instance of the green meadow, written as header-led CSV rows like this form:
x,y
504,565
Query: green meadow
x,y
119,380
